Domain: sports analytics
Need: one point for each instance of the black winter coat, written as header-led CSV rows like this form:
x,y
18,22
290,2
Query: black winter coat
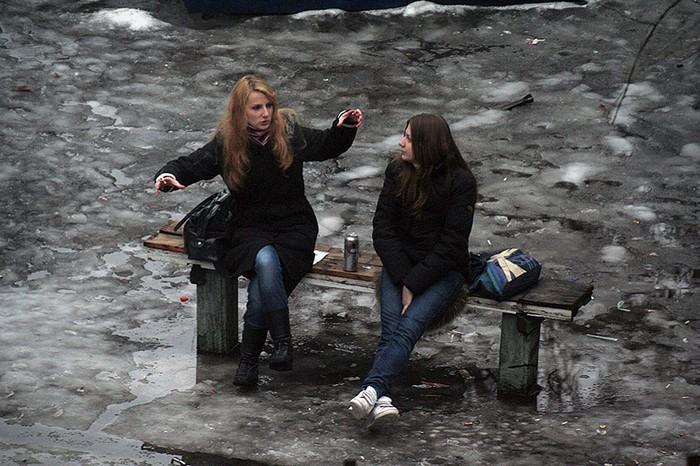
x,y
418,249
271,207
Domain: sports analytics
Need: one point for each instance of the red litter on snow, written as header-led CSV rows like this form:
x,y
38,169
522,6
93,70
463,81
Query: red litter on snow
x,y
184,299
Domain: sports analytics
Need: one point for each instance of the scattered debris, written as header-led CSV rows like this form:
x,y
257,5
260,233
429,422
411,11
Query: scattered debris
x,y
526,99
601,337
23,88
184,299
426,384
620,307
466,376
534,41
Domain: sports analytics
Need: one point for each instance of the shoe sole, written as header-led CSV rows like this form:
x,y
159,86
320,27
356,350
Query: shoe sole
x,y
383,420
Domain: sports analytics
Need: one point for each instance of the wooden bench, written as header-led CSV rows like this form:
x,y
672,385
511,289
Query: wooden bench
x,y
217,306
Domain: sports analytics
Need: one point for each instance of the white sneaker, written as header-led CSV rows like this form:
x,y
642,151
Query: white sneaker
x,y
362,404
382,414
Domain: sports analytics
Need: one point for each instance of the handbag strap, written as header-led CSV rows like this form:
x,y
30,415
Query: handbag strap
x,y
189,214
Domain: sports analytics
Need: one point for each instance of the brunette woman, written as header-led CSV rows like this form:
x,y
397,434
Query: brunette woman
x,y
259,150
421,233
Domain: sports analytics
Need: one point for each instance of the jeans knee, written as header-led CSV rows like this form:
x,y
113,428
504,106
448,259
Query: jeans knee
x,y
266,260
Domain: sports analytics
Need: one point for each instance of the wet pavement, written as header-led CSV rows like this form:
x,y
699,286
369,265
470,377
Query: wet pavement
x,y
596,178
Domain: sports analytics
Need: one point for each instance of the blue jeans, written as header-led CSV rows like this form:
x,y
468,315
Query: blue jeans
x,y
266,292
401,332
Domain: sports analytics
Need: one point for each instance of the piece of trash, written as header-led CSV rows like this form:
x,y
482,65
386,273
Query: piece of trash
x,y
425,384
526,99
602,429
685,340
620,307
177,461
564,423
686,322
534,41
23,88
601,337
351,379
466,375
488,241
184,299
9,394
668,386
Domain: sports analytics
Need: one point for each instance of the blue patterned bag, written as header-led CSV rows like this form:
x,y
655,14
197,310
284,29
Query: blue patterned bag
x,y
506,274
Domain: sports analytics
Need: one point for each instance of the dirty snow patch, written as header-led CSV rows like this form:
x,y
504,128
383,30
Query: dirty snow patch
x,y
425,8
329,225
614,254
128,18
639,212
691,150
485,118
618,145
360,172
577,173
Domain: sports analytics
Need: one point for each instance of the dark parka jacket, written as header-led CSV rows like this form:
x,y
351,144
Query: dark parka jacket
x,y
271,207
419,248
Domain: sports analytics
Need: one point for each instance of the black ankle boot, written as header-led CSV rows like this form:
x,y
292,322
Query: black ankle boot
x,y
278,323
251,346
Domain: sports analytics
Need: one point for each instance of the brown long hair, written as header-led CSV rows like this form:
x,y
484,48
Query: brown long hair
x,y
432,145
233,129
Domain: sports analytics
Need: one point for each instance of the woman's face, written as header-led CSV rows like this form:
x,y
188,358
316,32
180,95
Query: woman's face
x,y
258,110
406,145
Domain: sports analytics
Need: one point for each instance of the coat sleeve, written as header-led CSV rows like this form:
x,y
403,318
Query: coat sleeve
x,y
202,164
385,234
317,145
454,239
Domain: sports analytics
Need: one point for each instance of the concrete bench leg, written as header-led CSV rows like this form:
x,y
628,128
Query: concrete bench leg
x,y
517,365
217,311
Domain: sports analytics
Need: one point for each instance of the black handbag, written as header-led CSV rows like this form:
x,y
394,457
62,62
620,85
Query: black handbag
x,y
207,227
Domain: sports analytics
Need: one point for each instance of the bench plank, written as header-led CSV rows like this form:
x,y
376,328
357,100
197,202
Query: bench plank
x,y
549,298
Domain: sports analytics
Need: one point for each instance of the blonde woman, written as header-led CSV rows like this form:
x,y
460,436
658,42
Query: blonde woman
x,y
259,151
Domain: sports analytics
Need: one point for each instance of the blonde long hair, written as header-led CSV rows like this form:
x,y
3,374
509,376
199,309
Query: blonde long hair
x,y
233,129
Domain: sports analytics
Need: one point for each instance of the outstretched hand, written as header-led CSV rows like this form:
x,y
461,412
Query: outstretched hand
x,y
351,118
167,181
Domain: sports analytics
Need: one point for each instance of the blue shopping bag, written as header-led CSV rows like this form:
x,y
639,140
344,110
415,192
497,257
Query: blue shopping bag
x,y
505,274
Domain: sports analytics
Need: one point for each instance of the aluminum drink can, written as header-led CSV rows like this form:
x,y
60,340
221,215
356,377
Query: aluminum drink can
x,y
352,252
